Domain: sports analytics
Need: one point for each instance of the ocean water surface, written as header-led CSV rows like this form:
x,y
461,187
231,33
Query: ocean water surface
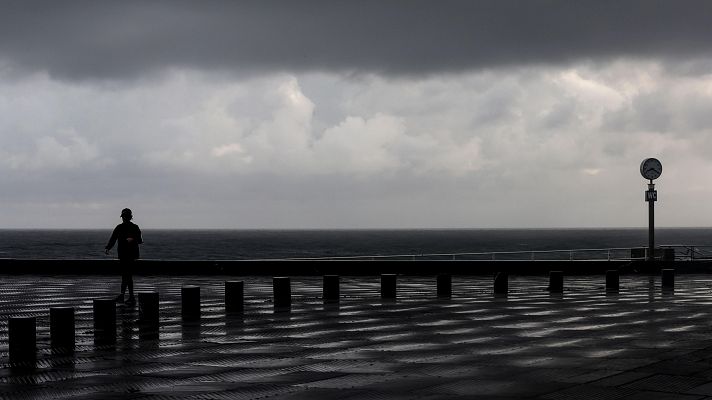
x,y
266,244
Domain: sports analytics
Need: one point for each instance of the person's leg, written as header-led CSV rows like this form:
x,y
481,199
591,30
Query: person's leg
x,y
124,281
128,271
120,297
129,283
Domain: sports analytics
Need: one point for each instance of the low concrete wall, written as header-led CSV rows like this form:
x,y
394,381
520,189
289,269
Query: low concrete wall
x,y
346,268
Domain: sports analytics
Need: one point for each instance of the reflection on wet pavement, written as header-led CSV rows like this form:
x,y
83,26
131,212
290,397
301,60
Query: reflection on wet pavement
x,y
586,343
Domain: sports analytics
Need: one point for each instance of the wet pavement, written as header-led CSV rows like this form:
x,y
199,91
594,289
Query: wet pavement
x,y
639,344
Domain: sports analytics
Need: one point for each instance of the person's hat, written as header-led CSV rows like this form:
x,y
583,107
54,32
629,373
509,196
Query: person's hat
x,y
126,212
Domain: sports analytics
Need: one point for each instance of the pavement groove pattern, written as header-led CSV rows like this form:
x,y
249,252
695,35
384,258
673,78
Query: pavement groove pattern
x,y
642,343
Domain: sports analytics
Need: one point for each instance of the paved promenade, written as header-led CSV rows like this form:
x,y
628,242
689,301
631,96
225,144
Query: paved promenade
x,y
639,344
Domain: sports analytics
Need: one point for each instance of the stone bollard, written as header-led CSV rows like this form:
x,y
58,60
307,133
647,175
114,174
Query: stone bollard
x,y
668,279
234,297
389,286
190,302
61,328
104,321
444,282
148,309
282,291
556,281
501,284
331,289
612,281
22,332
148,315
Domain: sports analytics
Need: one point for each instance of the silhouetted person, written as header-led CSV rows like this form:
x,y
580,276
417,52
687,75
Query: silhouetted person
x,y
128,236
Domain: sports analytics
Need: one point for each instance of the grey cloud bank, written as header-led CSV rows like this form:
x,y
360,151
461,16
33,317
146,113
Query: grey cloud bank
x,y
353,114
557,148
78,40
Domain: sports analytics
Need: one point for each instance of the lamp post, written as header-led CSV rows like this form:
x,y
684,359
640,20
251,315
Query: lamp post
x,y
651,196
651,169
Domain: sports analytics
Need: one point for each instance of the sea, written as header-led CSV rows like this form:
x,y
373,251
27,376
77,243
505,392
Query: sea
x,y
278,244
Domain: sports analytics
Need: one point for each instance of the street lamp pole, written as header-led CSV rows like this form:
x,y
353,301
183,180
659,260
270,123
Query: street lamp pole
x,y
651,169
651,197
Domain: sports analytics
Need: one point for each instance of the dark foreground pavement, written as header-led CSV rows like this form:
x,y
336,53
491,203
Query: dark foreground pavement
x,y
639,344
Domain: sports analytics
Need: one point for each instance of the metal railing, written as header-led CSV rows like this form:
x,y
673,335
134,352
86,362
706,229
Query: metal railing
x,y
686,252
681,253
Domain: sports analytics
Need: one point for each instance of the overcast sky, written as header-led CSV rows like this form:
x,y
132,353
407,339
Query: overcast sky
x,y
354,114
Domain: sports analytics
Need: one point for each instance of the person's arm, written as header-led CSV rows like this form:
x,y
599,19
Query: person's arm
x,y
139,238
112,240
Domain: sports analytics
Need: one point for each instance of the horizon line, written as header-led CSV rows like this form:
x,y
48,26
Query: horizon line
x,y
354,229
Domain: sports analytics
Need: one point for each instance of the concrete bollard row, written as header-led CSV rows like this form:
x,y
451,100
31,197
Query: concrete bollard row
x,y
148,308
331,288
282,291
388,286
444,283
22,331
148,316
612,281
104,321
61,329
190,302
234,297
556,282
668,279
501,284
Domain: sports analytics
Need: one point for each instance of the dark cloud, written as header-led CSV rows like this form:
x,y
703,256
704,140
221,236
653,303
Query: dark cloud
x,y
123,39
